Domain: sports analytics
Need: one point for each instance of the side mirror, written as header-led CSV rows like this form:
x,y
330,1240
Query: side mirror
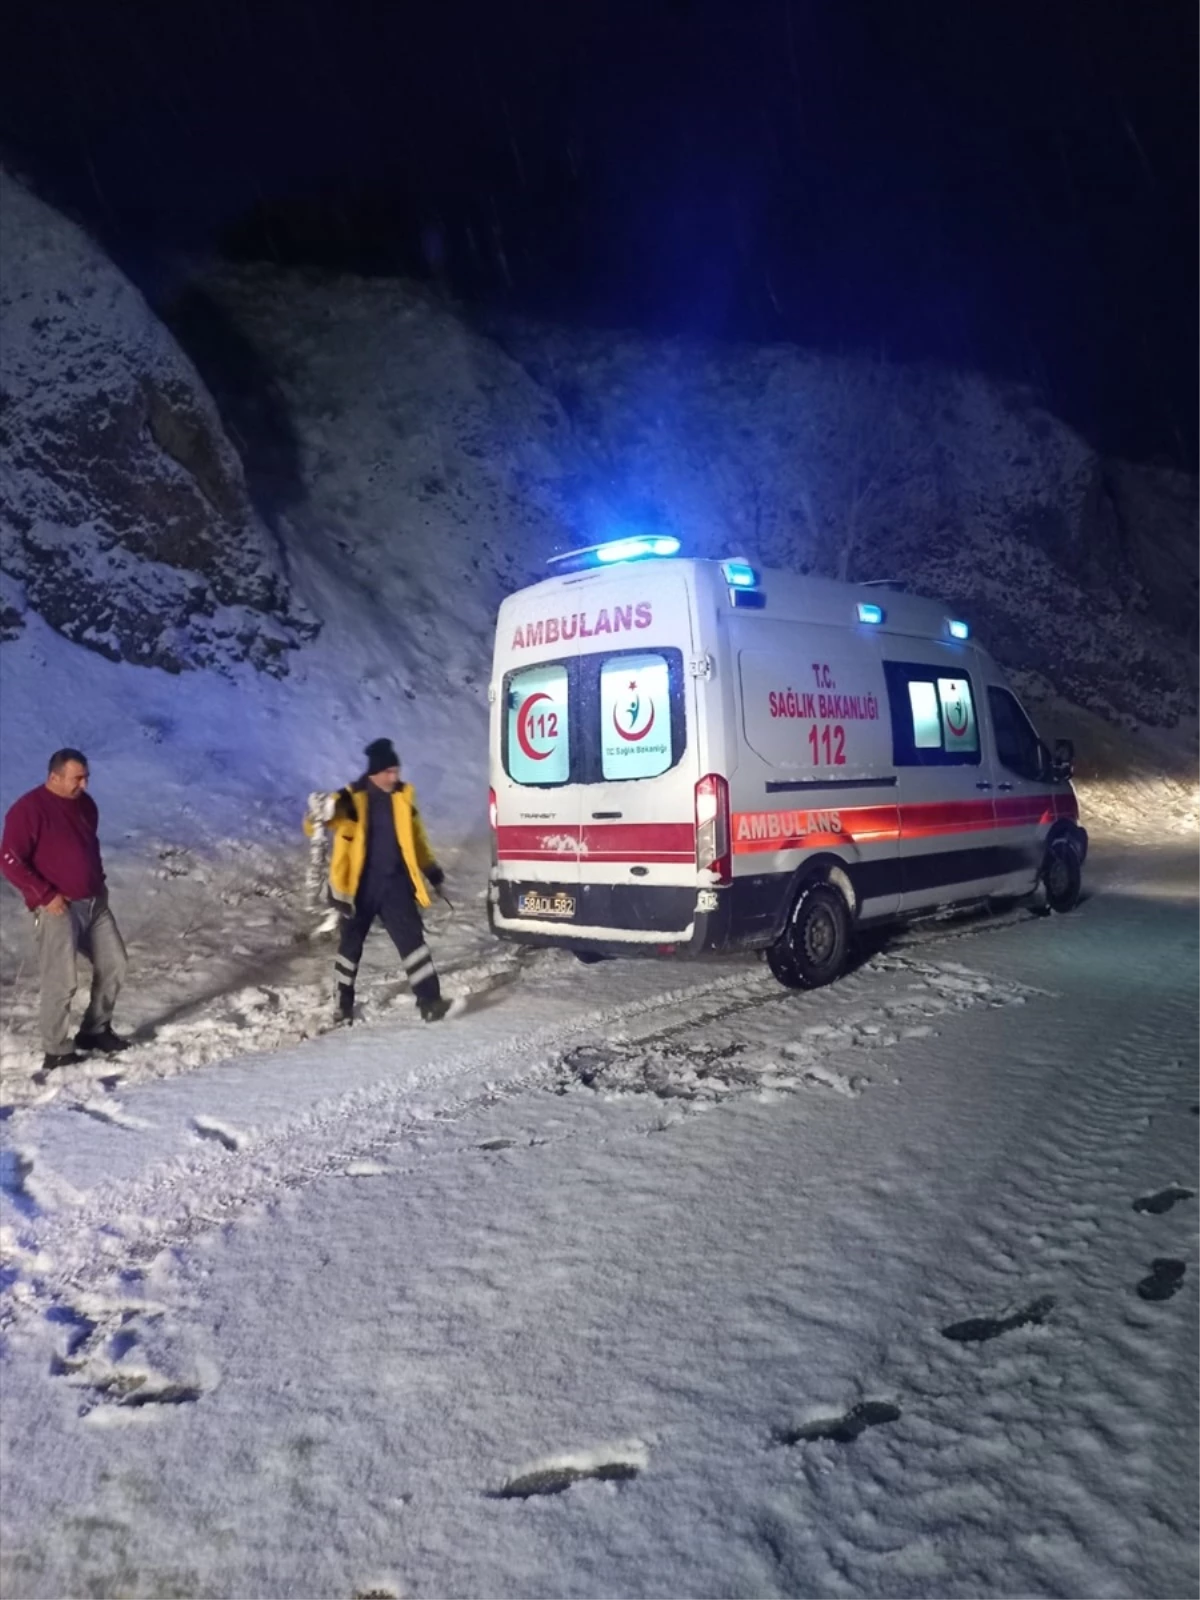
x,y
1063,764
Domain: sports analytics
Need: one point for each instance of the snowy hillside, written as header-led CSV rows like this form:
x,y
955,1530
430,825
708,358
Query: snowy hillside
x,y
124,518
408,459
963,488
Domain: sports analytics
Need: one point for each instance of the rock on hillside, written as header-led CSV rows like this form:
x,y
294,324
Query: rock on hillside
x,y
124,517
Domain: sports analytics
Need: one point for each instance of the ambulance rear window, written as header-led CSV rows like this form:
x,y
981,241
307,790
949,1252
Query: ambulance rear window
x,y
635,716
933,716
607,718
537,725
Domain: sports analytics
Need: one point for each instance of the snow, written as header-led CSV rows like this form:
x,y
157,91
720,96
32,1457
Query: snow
x,y
531,1303
633,1278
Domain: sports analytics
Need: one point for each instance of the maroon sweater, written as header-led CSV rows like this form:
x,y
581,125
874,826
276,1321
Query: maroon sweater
x,y
50,847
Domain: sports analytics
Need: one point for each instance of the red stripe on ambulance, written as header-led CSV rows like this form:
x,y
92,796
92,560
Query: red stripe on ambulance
x,y
758,831
656,842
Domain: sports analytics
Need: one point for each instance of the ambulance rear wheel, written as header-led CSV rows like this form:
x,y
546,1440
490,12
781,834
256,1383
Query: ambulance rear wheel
x,y
813,947
1062,876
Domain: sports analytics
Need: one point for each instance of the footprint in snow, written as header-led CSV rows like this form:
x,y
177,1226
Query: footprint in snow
x,y
1164,1280
977,1329
106,1111
210,1128
1156,1204
558,1473
844,1429
16,1168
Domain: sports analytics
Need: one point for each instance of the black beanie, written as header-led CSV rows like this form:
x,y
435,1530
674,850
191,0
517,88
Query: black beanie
x,y
381,754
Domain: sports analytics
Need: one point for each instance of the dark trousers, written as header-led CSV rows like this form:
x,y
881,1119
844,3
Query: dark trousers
x,y
392,901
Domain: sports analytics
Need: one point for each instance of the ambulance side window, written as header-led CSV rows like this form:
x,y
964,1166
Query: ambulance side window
x,y
1017,745
933,716
536,733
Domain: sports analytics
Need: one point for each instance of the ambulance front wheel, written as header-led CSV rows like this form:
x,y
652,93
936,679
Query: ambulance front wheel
x,y
813,947
1062,876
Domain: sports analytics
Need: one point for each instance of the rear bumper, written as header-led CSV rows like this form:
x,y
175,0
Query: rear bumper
x,y
632,920
613,919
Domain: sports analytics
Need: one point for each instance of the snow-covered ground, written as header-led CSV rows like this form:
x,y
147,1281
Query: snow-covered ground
x,y
637,1279
548,1299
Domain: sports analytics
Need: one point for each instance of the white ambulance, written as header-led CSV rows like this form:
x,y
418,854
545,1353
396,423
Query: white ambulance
x,y
692,756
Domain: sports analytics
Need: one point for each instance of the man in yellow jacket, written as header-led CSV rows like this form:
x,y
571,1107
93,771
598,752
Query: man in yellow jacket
x,y
380,860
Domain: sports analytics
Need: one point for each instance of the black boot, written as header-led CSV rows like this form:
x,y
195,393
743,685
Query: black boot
x,y
50,1063
434,1010
344,1010
105,1040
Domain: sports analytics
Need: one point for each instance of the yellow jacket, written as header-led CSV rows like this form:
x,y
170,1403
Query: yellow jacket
x,y
349,828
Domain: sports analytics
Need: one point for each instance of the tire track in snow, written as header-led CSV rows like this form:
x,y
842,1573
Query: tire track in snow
x,y
121,1225
126,1224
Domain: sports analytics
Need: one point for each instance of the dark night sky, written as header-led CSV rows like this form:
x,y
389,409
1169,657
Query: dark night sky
x,y
1009,186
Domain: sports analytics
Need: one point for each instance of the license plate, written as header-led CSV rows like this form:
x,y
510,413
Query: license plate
x,y
554,904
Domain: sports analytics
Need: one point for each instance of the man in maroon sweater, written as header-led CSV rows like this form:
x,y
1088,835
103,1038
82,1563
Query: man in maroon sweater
x,y
51,853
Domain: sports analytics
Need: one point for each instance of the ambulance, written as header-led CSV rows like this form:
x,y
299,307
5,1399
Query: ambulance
x,y
696,756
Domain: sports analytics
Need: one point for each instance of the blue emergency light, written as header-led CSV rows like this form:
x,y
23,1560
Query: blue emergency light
x,y
635,548
869,612
958,630
739,575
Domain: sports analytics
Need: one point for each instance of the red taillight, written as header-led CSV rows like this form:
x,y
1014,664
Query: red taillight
x,y
492,813
712,828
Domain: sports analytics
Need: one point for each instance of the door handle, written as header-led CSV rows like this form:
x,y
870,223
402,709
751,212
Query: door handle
x,y
983,786
1004,786
605,816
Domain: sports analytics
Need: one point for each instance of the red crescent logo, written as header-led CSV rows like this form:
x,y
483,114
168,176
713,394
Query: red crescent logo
x,y
638,733
523,729
957,728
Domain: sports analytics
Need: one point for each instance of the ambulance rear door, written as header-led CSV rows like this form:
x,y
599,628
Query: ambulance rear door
x,y
594,757
535,760
637,721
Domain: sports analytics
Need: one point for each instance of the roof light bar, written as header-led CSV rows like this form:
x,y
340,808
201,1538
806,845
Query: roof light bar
x,y
868,612
636,548
739,575
958,630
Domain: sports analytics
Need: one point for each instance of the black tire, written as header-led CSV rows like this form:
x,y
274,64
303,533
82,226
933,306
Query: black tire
x,y
812,949
1062,876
